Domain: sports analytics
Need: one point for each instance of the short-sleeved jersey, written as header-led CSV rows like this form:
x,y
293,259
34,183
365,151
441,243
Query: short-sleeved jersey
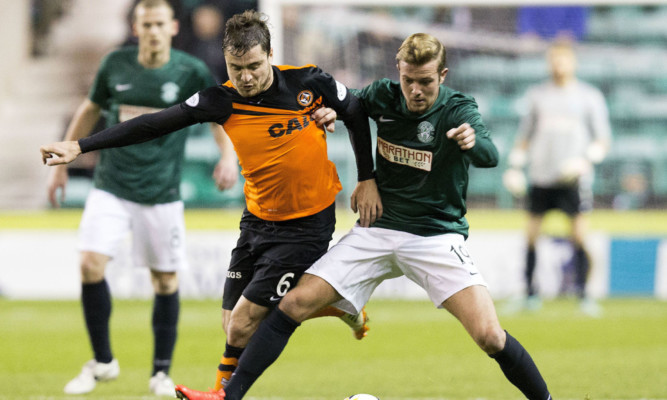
x,y
150,172
283,154
559,124
421,174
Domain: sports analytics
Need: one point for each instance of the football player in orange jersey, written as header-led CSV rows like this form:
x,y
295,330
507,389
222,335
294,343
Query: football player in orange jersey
x,y
290,184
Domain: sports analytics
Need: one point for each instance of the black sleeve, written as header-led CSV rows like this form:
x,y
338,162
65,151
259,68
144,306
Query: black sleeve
x,y
350,111
356,122
140,129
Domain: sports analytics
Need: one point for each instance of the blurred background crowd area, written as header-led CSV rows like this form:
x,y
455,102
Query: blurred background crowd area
x,y
494,54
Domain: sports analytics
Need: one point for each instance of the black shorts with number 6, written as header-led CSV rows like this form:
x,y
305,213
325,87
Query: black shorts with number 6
x,y
271,256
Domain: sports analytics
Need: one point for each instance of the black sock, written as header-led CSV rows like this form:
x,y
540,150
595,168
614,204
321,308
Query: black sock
x,y
165,321
263,349
519,368
96,302
232,354
581,267
530,270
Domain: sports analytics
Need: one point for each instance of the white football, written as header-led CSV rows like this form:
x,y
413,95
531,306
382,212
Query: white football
x,y
362,396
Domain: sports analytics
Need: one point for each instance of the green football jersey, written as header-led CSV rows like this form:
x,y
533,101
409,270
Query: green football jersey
x,y
423,176
150,172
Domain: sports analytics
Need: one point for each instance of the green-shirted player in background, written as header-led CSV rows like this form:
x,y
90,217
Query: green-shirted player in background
x,y
137,188
428,135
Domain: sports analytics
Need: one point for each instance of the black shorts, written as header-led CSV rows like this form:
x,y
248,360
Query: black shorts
x,y
271,256
543,199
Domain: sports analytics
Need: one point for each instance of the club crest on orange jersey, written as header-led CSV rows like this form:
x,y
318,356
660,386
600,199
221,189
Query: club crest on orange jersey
x,y
305,98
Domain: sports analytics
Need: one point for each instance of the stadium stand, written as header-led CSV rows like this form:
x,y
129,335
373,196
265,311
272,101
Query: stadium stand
x,y
43,90
496,67
622,53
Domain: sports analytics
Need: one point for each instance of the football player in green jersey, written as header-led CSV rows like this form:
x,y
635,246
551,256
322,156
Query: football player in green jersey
x,y
137,188
428,135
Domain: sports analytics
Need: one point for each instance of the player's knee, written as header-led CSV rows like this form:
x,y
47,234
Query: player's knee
x,y
92,267
164,283
578,241
297,305
490,339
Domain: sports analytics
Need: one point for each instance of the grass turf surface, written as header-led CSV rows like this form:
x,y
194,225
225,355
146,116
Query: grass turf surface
x,y
627,223
413,351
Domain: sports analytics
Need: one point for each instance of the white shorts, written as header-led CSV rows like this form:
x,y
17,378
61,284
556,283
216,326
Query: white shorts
x,y
365,257
158,231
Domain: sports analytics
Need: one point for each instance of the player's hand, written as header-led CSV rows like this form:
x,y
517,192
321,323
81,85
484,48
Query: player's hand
x,y
60,152
226,173
464,135
573,168
514,181
366,199
57,180
325,117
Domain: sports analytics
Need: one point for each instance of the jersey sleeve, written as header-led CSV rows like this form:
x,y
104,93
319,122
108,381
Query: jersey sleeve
x,y
484,153
99,92
138,130
337,96
599,117
212,104
371,96
528,121
334,93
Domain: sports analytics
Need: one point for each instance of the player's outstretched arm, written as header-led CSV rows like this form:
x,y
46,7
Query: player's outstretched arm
x,y
136,130
60,152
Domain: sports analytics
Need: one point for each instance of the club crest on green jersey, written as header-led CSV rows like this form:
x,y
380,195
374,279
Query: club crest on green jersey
x,y
425,132
170,92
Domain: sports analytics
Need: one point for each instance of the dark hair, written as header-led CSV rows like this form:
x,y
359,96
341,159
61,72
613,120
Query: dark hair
x,y
246,30
420,48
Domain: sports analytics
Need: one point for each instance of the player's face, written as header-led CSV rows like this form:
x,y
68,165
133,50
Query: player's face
x,y
420,84
562,63
251,72
154,27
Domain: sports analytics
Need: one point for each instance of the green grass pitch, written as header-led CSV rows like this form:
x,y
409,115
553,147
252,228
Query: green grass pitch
x,y
635,223
413,351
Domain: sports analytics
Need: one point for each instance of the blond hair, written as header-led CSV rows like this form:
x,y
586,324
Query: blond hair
x,y
420,48
145,4
561,45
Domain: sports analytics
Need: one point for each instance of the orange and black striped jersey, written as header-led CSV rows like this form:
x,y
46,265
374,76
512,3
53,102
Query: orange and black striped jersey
x,y
283,154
